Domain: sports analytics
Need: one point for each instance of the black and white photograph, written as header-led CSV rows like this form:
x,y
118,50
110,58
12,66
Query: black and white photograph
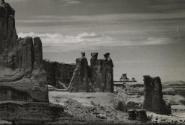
x,y
92,62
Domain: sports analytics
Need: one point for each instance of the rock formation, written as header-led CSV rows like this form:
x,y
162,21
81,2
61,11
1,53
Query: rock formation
x,y
19,56
101,73
23,83
98,77
148,92
80,81
38,56
80,77
108,73
124,77
153,96
58,74
97,73
7,27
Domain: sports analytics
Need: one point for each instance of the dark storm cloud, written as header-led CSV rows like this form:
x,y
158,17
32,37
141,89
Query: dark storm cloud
x,y
85,7
127,22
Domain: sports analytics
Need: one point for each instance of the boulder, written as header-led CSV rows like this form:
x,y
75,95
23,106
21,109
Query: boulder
x,y
132,114
141,115
133,105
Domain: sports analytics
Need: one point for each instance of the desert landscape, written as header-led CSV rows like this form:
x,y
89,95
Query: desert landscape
x,y
38,91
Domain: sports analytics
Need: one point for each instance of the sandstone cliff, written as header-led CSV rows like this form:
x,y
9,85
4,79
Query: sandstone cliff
x,y
58,74
21,66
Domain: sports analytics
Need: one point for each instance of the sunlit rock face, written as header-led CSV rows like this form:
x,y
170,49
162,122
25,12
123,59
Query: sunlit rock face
x,y
153,96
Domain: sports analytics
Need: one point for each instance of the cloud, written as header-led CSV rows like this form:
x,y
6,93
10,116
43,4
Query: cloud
x,y
90,40
70,42
58,39
11,1
66,1
107,20
71,1
60,2
159,41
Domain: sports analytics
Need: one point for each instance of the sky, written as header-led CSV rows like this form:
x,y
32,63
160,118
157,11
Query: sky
x,y
144,37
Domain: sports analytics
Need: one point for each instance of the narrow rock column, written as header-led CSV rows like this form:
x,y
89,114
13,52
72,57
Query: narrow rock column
x,y
153,96
27,54
108,73
38,54
148,90
157,98
94,73
79,81
84,86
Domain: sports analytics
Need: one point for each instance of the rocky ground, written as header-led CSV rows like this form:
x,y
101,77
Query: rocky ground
x,y
112,107
88,106
2,122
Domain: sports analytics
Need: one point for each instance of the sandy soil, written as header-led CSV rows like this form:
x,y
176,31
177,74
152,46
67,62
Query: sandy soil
x,y
86,99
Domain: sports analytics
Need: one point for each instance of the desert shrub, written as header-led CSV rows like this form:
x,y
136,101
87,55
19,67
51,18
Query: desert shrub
x,y
119,101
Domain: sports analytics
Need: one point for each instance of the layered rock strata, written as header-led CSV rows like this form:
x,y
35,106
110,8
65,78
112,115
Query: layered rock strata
x,y
23,83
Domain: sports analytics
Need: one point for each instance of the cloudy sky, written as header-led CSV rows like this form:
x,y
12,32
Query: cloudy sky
x,y
143,36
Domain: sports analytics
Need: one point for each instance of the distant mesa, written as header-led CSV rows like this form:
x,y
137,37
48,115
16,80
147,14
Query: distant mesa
x,y
123,81
124,78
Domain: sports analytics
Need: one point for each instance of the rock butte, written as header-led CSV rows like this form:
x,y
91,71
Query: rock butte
x,y
153,96
24,75
23,83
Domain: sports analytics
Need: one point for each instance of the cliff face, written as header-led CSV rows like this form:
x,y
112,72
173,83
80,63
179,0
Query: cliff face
x,y
21,66
58,74
7,27
8,33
